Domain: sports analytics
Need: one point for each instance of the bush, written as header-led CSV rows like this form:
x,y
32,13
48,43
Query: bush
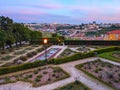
x,y
29,54
6,70
3,52
7,79
24,58
30,76
36,72
40,49
34,53
49,79
11,49
39,76
53,75
45,72
37,79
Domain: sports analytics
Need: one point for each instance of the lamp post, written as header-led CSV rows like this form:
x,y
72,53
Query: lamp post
x,y
96,55
45,42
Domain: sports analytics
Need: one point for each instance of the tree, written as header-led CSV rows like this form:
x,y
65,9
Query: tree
x,y
3,38
35,36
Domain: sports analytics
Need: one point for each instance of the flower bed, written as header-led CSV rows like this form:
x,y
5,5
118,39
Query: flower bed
x,y
103,71
38,76
74,86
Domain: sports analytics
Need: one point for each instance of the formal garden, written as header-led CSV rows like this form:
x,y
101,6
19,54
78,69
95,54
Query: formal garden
x,y
20,55
37,77
74,86
66,52
102,71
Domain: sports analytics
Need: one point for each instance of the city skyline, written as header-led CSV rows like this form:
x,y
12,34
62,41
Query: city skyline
x,y
61,11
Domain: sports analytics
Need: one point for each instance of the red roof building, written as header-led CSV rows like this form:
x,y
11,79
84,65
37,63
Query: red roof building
x,y
112,35
114,32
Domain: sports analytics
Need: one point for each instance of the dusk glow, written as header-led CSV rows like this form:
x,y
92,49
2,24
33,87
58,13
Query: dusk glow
x,y
61,11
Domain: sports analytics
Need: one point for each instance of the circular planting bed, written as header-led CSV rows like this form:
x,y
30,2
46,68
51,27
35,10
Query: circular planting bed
x,y
38,76
103,71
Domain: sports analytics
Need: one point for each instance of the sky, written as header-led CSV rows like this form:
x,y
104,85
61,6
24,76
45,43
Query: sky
x,y
61,11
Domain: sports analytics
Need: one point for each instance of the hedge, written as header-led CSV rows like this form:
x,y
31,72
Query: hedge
x,y
6,70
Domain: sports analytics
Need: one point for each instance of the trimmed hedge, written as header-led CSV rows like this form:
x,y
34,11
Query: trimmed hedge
x,y
25,66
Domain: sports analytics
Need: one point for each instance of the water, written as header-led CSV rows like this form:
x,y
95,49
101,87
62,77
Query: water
x,y
49,53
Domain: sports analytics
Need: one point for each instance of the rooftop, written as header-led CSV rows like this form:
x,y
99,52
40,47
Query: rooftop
x,y
114,32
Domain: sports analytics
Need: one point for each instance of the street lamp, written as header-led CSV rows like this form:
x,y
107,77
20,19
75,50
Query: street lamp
x,y
96,55
45,42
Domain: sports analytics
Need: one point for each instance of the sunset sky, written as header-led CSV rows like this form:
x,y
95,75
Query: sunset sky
x,y
61,11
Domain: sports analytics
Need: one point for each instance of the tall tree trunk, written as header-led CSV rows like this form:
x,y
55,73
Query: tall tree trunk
x,y
3,45
20,43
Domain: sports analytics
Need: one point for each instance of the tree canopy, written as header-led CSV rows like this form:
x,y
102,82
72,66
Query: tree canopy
x,y
11,33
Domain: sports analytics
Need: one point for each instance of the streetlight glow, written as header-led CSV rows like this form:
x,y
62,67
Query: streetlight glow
x,y
45,41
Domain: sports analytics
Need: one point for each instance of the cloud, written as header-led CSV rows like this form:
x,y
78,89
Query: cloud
x,y
48,6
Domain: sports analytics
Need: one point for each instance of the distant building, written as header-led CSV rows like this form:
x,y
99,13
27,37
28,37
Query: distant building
x,y
112,35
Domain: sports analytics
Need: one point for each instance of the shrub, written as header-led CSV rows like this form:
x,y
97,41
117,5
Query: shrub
x,y
7,79
29,54
34,53
96,71
11,49
36,72
109,74
40,49
49,79
30,76
3,52
45,72
24,58
53,75
6,70
100,69
39,76
37,79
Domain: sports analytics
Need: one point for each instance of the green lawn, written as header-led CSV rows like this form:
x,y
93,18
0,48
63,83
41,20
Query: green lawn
x,y
108,55
74,86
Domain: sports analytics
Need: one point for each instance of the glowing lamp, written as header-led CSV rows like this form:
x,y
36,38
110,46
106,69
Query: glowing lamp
x,y
45,41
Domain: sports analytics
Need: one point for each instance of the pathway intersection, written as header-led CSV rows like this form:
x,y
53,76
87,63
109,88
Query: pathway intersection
x,y
68,67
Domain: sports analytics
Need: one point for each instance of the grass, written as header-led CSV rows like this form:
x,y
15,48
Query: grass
x,y
74,86
108,55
